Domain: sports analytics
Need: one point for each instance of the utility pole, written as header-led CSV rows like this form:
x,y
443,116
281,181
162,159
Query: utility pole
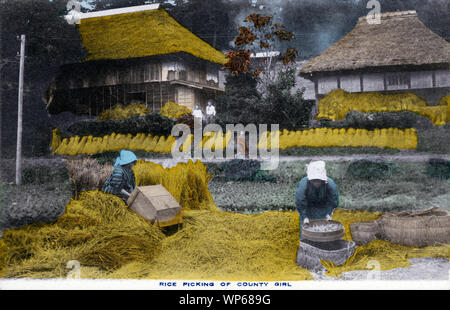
x,y
19,113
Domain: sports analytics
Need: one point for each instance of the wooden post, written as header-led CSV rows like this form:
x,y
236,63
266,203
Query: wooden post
x,y
19,113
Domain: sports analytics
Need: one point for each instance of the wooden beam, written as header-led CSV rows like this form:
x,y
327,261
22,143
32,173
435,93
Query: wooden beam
x,y
361,81
316,87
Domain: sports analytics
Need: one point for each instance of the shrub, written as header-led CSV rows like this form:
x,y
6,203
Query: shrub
x,y
173,110
282,107
438,168
371,169
44,174
241,169
337,103
87,174
187,119
152,123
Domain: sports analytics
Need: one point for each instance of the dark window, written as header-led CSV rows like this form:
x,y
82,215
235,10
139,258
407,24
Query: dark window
x,y
397,79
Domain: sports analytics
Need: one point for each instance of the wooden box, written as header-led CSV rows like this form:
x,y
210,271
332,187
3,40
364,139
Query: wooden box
x,y
156,204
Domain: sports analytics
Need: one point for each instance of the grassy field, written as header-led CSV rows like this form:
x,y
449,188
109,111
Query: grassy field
x,y
41,197
409,188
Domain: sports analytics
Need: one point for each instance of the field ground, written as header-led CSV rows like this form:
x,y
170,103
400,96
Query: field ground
x,y
409,188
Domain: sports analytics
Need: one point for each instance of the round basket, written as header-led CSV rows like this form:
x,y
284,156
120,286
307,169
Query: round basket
x,y
429,227
310,253
322,236
364,232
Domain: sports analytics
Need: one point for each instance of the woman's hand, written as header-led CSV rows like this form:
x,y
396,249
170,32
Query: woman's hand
x,y
328,217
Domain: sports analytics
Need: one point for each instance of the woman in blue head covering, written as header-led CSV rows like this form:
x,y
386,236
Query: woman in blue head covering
x,y
122,177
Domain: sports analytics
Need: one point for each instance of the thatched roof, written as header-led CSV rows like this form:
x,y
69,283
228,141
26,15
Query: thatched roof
x,y
141,33
401,39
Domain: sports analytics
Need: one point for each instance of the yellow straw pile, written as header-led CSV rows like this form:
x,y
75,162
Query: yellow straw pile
x,y
317,137
173,110
111,241
97,230
337,103
90,145
187,182
328,137
119,112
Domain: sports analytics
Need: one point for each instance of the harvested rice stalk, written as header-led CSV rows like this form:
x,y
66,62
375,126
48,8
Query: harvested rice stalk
x,y
173,110
98,230
389,255
119,112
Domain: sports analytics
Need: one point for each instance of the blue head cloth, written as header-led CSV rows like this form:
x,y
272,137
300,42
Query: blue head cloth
x,y
125,158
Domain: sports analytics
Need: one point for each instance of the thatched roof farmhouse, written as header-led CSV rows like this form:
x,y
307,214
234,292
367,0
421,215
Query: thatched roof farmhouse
x,y
136,54
400,54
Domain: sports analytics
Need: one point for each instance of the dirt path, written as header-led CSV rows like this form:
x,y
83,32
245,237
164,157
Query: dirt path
x,y
417,157
7,166
421,269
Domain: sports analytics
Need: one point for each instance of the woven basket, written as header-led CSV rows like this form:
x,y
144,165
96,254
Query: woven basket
x,y
364,232
322,236
429,227
310,253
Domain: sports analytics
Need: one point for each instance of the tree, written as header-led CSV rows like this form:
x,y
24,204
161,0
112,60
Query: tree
x,y
260,35
50,42
210,20
282,107
239,104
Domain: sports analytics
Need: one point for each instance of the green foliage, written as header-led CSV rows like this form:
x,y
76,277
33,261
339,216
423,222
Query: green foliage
x,y
282,107
434,140
337,151
239,104
408,189
152,123
241,169
44,174
50,42
32,203
242,104
438,168
372,169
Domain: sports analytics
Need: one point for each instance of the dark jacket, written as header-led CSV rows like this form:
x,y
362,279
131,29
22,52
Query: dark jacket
x,y
316,203
122,177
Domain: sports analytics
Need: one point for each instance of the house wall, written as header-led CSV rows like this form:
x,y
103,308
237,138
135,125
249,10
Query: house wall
x,y
372,82
351,83
384,81
442,78
185,96
90,88
430,85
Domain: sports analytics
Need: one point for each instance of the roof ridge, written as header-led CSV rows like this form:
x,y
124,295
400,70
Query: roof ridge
x,y
388,15
124,10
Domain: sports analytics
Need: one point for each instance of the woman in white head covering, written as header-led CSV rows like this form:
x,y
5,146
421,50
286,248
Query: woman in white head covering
x,y
316,195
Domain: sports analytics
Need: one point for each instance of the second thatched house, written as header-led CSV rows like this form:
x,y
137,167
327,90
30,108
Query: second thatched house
x,y
400,54
136,54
